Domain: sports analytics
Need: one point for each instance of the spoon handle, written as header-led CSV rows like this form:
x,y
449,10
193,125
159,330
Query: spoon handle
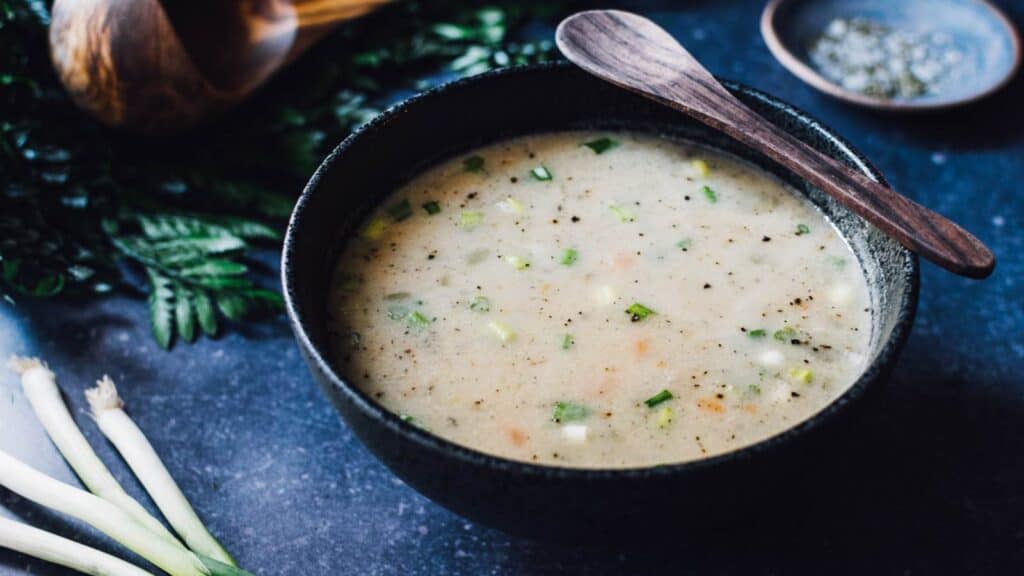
x,y
632,52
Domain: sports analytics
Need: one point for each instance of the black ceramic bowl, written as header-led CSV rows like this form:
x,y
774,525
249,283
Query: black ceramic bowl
x,y
543,500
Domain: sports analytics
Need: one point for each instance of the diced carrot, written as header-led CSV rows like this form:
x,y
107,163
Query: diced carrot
x,y
516,436
640,347
622,262
750,408
711,405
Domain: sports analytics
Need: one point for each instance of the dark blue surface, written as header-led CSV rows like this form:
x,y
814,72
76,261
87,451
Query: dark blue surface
x,y
935,485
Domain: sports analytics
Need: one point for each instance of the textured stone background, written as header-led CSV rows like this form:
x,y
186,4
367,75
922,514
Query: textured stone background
x,y
934,485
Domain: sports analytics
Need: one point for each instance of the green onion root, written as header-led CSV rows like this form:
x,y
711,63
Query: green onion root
x,y
40,387
58,550
150,470
33,485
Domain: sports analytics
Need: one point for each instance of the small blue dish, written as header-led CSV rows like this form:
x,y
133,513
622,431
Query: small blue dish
x,y
988,42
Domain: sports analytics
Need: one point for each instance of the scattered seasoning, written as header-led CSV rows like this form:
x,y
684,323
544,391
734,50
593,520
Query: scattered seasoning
x,y
480,304
802,229
601,145
623,212
755,334
541,173
569,412
400,210
638,312
473,164
766,239
710,194
569,256
470,219
684,244
432,207
567,341
658,398
877,60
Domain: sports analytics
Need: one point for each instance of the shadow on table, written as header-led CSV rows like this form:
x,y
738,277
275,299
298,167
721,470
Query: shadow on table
x,y
929,485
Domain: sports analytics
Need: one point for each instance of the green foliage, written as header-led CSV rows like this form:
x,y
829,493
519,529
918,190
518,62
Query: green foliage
x,y
84,209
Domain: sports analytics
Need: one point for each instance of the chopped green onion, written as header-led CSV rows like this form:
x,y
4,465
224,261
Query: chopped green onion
x,y
470,219
375,229
511,205
837,261
658,398
759,333
664,417
754,389
709,194
517,262
541,173
567,341
432,207
569,256
417,319
601,145
569,412
350,282
407,418
638,312
397,296
623,212
397,312
107,409
473,164
480,304
400,210
684,244
785,334
802,375
502,331
701,167
802,229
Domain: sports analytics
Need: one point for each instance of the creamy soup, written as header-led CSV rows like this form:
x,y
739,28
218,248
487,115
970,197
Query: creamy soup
x,y
599,300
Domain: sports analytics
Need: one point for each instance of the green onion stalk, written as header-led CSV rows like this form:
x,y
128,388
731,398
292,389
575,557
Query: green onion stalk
x,y
40,387
136,450
33,485
59,550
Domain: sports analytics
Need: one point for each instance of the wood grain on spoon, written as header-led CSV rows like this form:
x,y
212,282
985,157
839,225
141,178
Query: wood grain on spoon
x,y
632,52
162,66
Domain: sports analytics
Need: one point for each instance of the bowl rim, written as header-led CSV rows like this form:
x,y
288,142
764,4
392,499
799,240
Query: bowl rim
x,y
426,440
808,74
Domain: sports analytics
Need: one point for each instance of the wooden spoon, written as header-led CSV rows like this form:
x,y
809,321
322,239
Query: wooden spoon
x,y
632,52
164,68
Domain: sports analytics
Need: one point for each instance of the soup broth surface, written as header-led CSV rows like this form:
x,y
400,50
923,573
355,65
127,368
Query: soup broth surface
x,y
599,300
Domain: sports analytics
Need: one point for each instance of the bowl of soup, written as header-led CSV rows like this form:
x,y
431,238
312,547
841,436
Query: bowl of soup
x,y
563,310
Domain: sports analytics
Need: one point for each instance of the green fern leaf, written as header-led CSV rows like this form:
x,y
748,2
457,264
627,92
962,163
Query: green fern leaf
x,y
233,306
204,312
215,267
183,313
250,229
161,307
